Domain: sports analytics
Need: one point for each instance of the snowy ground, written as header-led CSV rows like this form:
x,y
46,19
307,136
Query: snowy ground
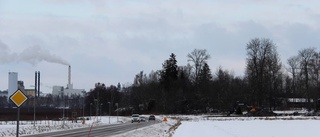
x,y
202,125
8,129
293,126
162,129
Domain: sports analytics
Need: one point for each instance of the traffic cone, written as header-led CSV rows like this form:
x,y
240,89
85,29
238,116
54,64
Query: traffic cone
x,y
165,119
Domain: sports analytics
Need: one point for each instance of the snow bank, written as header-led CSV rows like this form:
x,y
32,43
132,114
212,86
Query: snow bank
x,y
161,129
26,128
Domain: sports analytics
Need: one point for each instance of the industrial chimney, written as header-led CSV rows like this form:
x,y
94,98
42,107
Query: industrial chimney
x,y
69,75
37,84
69,86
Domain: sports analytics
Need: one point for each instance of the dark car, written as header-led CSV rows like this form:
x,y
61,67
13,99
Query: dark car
x,y
152,117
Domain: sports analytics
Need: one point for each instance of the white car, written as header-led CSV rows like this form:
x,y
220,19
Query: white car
x,y
142,119
135,118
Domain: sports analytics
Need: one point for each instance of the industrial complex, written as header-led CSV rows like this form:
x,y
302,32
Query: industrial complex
x,y
14,84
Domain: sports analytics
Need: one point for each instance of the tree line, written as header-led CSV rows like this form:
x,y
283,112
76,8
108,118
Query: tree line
x,y
267,83
193,88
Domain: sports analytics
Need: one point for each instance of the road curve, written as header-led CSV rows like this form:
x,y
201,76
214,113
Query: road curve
x,y
97,131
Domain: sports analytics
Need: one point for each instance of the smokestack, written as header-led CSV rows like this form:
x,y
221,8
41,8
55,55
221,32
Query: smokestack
x,y
35,84
38,83
69,75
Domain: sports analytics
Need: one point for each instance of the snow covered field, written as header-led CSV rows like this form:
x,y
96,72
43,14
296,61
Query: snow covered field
x,y
256,128
204,126
250,127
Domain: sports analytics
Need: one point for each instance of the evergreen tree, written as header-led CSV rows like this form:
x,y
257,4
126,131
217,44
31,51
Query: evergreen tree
x,y
169,72
169,76
204,87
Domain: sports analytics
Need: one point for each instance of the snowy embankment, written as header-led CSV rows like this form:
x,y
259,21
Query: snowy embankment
x,y
8,128
162,129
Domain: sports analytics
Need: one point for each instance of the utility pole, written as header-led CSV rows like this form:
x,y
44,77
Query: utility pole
x,y
36,90
117,111
109,111
97,107
101,111
90,110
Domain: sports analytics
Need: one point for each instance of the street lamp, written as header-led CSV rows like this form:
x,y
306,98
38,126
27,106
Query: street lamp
x,y
117,111
101,110
90,109
82,110
83,103
109,110
97,108
34,105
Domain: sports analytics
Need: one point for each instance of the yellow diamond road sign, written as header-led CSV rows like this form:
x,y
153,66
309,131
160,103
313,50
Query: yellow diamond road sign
x,y
18,98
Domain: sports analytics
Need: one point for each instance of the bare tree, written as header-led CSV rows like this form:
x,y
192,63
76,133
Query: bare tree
x,y
293,63
263,70
306,56
198,57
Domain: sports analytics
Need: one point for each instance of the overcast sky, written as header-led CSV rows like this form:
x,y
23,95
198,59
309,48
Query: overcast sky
x,y
110,41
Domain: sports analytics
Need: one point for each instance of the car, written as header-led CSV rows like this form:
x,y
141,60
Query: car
x,y
135,118
142,119
152,117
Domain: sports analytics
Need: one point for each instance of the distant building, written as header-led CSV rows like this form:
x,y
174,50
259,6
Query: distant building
x,y
57,90
298,102
4,93
21,86
29,92
60,90
13,83
69,90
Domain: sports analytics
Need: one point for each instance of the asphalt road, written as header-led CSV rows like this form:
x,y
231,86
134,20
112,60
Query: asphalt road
x,y
96,131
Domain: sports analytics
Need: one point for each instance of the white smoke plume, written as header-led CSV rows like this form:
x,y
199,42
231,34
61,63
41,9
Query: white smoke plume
x,y
32,55
5,57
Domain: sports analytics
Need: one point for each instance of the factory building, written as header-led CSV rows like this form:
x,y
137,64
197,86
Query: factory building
x,y
4,93
29,92
21,86
69,90
13,83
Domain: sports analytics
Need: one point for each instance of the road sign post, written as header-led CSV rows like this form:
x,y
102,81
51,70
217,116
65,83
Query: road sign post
x,y
18,119
18,98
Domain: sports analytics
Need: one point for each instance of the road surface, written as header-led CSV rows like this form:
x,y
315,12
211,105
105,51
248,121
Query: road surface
x,y
96,131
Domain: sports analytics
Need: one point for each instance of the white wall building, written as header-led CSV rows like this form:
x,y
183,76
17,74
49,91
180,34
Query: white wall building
x,y
13,83
57,90
60,90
